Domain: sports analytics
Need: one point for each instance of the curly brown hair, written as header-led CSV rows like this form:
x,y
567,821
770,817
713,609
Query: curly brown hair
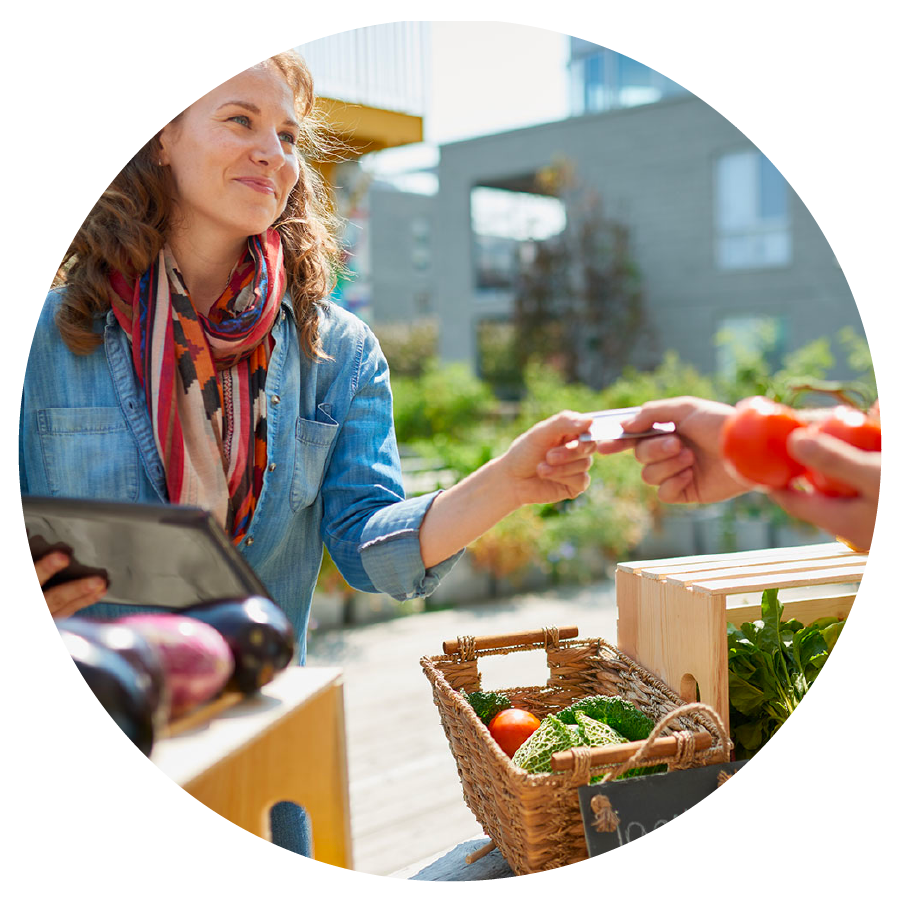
x,y
129,225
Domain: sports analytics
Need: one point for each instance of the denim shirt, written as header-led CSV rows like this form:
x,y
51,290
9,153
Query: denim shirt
x,y
333,473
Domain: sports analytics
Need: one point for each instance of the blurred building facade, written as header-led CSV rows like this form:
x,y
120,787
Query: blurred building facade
x,y
719,237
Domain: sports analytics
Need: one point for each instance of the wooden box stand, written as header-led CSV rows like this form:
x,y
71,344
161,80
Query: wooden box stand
x,y
672,613
241,756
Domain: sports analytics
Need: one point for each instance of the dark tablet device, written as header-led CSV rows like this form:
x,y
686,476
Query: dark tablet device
x,y
150,554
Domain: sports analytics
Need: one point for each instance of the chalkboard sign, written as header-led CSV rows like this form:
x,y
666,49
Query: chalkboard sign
x,y
618,812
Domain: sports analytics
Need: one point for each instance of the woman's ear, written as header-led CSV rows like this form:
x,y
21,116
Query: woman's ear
x,y
162,155
166,138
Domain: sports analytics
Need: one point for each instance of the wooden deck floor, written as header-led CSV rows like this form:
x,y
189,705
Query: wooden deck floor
x,y
405,797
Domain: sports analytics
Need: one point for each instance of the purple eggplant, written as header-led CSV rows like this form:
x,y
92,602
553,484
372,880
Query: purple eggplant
x,y
196,659
143,656
117,685
258,633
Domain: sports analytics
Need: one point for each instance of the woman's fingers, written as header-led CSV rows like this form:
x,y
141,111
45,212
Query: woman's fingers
x,y
47,566
68,598
566,470
571,450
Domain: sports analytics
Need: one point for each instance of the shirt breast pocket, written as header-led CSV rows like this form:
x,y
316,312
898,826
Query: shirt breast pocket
x,y
89,452
313,441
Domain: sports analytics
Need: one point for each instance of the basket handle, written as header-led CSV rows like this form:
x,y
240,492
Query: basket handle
x,y
514,639
614,754
654,747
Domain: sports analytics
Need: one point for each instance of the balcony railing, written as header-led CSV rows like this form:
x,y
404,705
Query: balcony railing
x,y
382,66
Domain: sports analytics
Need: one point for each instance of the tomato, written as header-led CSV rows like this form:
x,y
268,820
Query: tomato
x,y
754,442
510,728
854,427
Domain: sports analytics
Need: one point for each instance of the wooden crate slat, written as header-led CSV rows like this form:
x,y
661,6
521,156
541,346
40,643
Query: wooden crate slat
x,y
805,610
842,575
762,571
823,549
757,564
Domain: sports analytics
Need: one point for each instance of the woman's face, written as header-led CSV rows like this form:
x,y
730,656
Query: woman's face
x,y
232,156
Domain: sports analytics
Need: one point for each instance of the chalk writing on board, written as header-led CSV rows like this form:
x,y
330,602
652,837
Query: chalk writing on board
x,y
618,812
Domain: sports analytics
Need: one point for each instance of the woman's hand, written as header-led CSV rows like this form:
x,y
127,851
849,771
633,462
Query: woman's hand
x,y
66,599
685,466
549,462
546,464
851,518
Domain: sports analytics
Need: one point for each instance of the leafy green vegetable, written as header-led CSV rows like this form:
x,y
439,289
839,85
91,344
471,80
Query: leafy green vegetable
x,y
594,733
622,715
771,666
487,703
551,737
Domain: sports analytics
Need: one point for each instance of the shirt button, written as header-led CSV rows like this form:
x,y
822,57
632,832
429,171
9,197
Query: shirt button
x,y
271,467
275,399
249,541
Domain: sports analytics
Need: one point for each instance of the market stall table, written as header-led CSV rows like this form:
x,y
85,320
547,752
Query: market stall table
x,y
465,862
286,743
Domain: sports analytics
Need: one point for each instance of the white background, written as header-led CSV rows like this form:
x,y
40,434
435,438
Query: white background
x,y
84,86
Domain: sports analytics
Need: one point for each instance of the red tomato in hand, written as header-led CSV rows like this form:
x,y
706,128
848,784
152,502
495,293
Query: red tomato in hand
x,y
754,442
510,728
854,427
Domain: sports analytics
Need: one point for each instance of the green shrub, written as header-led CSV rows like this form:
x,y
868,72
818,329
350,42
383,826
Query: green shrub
x,y
409,347
445,400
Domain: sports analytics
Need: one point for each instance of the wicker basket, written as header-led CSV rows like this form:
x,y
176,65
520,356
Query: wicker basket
x,y
535,820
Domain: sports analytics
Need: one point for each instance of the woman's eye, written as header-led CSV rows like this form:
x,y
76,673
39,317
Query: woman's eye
x,y
287,137
241,120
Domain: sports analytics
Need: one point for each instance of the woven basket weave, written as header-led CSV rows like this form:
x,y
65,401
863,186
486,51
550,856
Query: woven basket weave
x,y
535,820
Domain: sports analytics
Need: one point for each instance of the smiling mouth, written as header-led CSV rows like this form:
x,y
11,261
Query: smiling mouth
x,y
259,185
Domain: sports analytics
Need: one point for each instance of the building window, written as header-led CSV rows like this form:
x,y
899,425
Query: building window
x,y
601,79
504,225
753,228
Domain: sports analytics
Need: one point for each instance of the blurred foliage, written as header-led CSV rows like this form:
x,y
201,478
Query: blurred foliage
x,y
409,347
508,548
808,365
498,360
446,400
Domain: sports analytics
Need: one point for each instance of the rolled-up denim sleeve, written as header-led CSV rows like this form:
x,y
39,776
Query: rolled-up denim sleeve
x,y
370,528
391,554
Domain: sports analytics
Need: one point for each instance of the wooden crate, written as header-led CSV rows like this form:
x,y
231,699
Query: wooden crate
x,y
672,613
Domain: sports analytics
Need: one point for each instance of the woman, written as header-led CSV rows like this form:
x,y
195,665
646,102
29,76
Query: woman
x,y
687,467
190,355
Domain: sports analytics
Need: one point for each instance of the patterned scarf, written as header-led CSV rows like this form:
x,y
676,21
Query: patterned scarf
x,y
204,377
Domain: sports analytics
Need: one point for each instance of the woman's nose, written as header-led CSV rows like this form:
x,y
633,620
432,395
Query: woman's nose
x,y
268,149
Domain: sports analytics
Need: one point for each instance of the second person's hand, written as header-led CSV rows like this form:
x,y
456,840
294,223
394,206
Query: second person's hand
x,y
850,518
686,466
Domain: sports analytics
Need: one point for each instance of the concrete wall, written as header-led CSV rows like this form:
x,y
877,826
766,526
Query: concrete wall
x,y
654,167
401,291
